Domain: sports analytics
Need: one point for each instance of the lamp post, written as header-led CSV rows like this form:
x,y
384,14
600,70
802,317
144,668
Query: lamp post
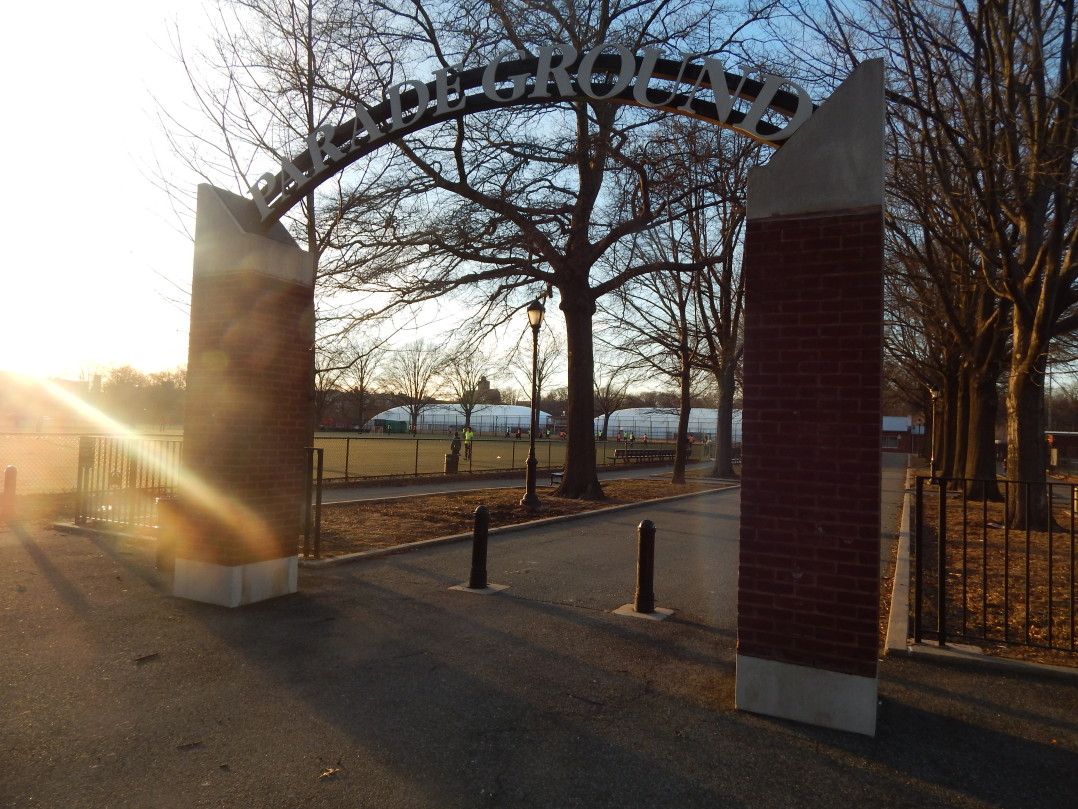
x,y
530,500
932,462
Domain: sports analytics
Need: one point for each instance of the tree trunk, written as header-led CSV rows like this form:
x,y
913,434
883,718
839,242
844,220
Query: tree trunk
x,y
926,406
983,405
606,424
580,480
948,413
1027,501
361,406
938,435
724,428
681,447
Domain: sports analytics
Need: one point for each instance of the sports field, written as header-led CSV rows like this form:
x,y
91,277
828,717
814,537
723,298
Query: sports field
x,y
382,456
47,462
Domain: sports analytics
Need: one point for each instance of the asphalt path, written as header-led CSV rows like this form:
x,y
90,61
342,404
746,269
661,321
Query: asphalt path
x,y
378,686
374,491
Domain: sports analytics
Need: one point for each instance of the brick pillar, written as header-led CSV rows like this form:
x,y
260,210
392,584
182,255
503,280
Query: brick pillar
x,y
808,582
248,412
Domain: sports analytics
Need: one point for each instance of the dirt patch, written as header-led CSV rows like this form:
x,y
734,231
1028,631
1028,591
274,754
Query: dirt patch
x,y
355,527
1011,592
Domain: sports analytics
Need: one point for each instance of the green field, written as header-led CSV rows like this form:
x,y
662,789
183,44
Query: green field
x,y
47,462
385,456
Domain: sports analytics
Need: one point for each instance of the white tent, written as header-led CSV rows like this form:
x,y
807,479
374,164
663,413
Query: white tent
x,y
661,423
488,419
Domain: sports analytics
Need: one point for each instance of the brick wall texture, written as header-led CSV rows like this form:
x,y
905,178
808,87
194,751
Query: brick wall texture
x,y
248,419
808,586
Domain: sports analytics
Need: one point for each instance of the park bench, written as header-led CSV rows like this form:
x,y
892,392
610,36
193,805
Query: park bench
x,y
556,475
634,455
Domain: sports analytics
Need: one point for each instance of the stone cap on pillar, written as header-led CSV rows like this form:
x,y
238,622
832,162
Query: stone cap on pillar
x,y
833,162
227,240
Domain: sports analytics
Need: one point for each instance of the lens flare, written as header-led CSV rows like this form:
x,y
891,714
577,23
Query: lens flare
x,y
241,522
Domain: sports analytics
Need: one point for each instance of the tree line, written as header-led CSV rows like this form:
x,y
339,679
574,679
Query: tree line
x,y
982,236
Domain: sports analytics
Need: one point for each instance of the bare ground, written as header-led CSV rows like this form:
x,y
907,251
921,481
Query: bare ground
x,y
1004,587
372,524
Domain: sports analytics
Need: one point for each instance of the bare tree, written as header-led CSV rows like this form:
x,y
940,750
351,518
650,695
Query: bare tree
x,y
465,379
514,205
358,380
549,364
614,374
715,226
991,91
653,321
258,89
331,361
411,373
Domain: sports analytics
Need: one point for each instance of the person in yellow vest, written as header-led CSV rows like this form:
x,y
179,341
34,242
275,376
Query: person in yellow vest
x,y
469,435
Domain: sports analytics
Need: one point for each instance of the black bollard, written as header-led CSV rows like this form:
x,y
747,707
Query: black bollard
x,y
478,578
645,568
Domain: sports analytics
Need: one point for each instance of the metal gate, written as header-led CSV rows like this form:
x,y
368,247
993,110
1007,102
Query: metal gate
x,y
120,478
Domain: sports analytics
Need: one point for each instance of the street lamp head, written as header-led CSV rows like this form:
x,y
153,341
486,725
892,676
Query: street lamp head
x,y
535,314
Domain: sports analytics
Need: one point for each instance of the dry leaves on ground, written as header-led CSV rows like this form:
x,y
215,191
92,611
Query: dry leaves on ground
x,y
354,527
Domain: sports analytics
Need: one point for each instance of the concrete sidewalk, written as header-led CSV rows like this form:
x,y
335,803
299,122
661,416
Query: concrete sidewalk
x,y
378,686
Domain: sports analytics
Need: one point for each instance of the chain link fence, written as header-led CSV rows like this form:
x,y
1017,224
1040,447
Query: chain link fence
x,y
48,463
373,456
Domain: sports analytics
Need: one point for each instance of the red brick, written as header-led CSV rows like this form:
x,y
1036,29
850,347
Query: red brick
x,y
810,497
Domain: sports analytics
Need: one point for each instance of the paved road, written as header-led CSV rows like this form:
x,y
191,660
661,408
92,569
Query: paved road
x,y
407,694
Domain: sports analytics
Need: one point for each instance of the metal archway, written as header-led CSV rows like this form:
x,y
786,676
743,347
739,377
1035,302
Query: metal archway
x,y
331,149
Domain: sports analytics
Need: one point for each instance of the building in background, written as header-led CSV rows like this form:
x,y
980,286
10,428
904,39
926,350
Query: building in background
x,y
660,424
492,419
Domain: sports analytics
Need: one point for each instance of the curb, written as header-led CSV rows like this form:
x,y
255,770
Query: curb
x,y
898,621
605,474
899,642
971,657
377,553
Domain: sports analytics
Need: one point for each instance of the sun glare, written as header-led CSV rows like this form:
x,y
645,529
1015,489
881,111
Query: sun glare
x,y
246,525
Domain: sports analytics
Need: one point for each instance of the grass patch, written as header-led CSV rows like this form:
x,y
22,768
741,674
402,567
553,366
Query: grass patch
x,y
355,527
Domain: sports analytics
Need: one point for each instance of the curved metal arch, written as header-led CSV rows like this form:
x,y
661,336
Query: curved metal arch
x,y
284,190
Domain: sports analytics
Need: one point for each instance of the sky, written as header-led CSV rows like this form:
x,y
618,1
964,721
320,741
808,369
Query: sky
x,y
96,269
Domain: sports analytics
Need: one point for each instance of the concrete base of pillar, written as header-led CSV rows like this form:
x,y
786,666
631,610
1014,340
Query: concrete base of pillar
x,y
815,696
235,585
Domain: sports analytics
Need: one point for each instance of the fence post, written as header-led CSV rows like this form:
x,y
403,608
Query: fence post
x,y
86,464
417,457
645,568
307,485
941,575
347,456
918,553
318,506
7,502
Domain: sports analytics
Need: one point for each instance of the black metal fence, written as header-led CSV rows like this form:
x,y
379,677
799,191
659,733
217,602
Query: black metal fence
x,y
48,463
978,580
119,479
